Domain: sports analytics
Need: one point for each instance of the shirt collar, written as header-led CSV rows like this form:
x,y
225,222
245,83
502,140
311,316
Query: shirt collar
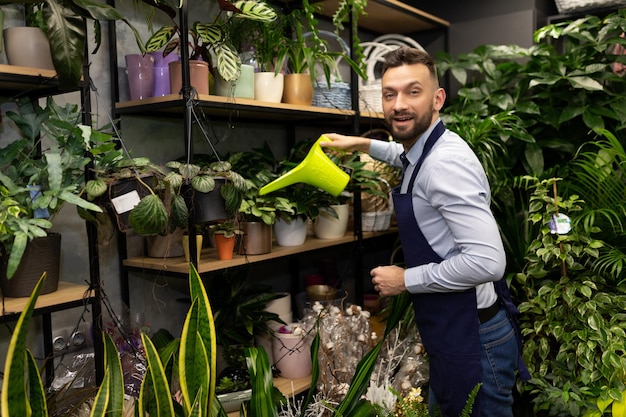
x,y
414,154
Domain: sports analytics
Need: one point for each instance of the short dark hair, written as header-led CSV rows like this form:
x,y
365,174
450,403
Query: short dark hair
x,y
409,56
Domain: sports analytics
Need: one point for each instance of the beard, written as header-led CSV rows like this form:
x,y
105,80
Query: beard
x,y
410,133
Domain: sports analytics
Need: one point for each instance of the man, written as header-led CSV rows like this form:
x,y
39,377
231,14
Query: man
x,y
452,247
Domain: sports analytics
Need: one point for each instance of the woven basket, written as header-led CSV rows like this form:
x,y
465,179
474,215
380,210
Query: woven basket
x,y
42,254
570,6
370,91
335,97
370,97
376,221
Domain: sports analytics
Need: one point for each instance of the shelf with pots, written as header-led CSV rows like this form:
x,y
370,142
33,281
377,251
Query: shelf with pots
x,y
245,109
209,261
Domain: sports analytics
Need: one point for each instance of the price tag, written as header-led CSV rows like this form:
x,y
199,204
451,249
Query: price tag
x,y
560,224
126,202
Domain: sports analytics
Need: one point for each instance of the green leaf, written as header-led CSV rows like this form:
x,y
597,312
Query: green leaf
x,y
100,404
15,401
587,83
37,397
113,367
157,382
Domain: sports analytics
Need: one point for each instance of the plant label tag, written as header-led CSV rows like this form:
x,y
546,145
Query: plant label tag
x,y
560,224
125,202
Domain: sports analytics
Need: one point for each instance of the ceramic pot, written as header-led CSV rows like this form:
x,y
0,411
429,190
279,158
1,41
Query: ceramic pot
x,y
198,76
162,72
292,355
243,87
257,238
140,73
290,232
42,254
298,89
186,247
327,226
27,47
225,246
168,246
268,86
210,206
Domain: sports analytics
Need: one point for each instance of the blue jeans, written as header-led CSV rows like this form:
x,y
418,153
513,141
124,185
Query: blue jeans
x,y
499,356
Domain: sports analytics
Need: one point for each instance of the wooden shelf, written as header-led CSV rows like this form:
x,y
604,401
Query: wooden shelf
x,y
65,296
240,108
209,262
385,16
26,81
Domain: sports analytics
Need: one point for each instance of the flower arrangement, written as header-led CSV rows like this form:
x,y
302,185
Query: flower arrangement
x,y
345,338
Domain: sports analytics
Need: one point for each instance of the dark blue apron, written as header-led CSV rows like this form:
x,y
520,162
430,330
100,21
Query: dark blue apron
x,y
448,322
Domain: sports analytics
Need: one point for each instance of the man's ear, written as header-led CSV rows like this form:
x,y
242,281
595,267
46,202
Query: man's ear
x,y
439,99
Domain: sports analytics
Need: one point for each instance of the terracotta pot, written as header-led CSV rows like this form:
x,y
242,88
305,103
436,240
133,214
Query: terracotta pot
x,y
225,246
268,86
27,47
198,76
42,254
298,89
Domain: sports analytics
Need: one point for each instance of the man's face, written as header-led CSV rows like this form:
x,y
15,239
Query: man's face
x,y
411,101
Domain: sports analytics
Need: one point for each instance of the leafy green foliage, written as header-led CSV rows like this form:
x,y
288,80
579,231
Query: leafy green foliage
x,y
37,177
206,37
526,111
572,319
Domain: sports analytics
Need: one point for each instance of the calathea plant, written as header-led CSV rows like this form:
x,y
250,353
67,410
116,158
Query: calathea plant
x,y
210,37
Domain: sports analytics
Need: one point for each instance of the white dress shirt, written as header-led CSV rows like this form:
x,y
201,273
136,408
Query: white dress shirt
x,y
451,202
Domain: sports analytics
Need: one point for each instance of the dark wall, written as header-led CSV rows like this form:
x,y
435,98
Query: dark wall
x,y
479,22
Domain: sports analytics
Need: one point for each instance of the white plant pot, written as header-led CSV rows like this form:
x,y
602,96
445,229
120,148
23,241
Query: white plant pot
x,y
290,232
268,87
329,227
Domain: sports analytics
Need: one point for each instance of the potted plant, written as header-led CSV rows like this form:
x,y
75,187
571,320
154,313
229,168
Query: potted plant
x,y
214,189
305,52
39,174
225,233
205,38
65,26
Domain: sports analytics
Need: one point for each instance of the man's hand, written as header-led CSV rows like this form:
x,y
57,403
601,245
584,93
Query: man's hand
x,y
346,143
388,280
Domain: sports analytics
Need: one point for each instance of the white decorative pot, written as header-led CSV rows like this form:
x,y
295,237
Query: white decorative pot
x,y
268,87
290,232
327,226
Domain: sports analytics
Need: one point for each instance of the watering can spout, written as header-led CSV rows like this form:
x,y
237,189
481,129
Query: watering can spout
x,y
316,169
